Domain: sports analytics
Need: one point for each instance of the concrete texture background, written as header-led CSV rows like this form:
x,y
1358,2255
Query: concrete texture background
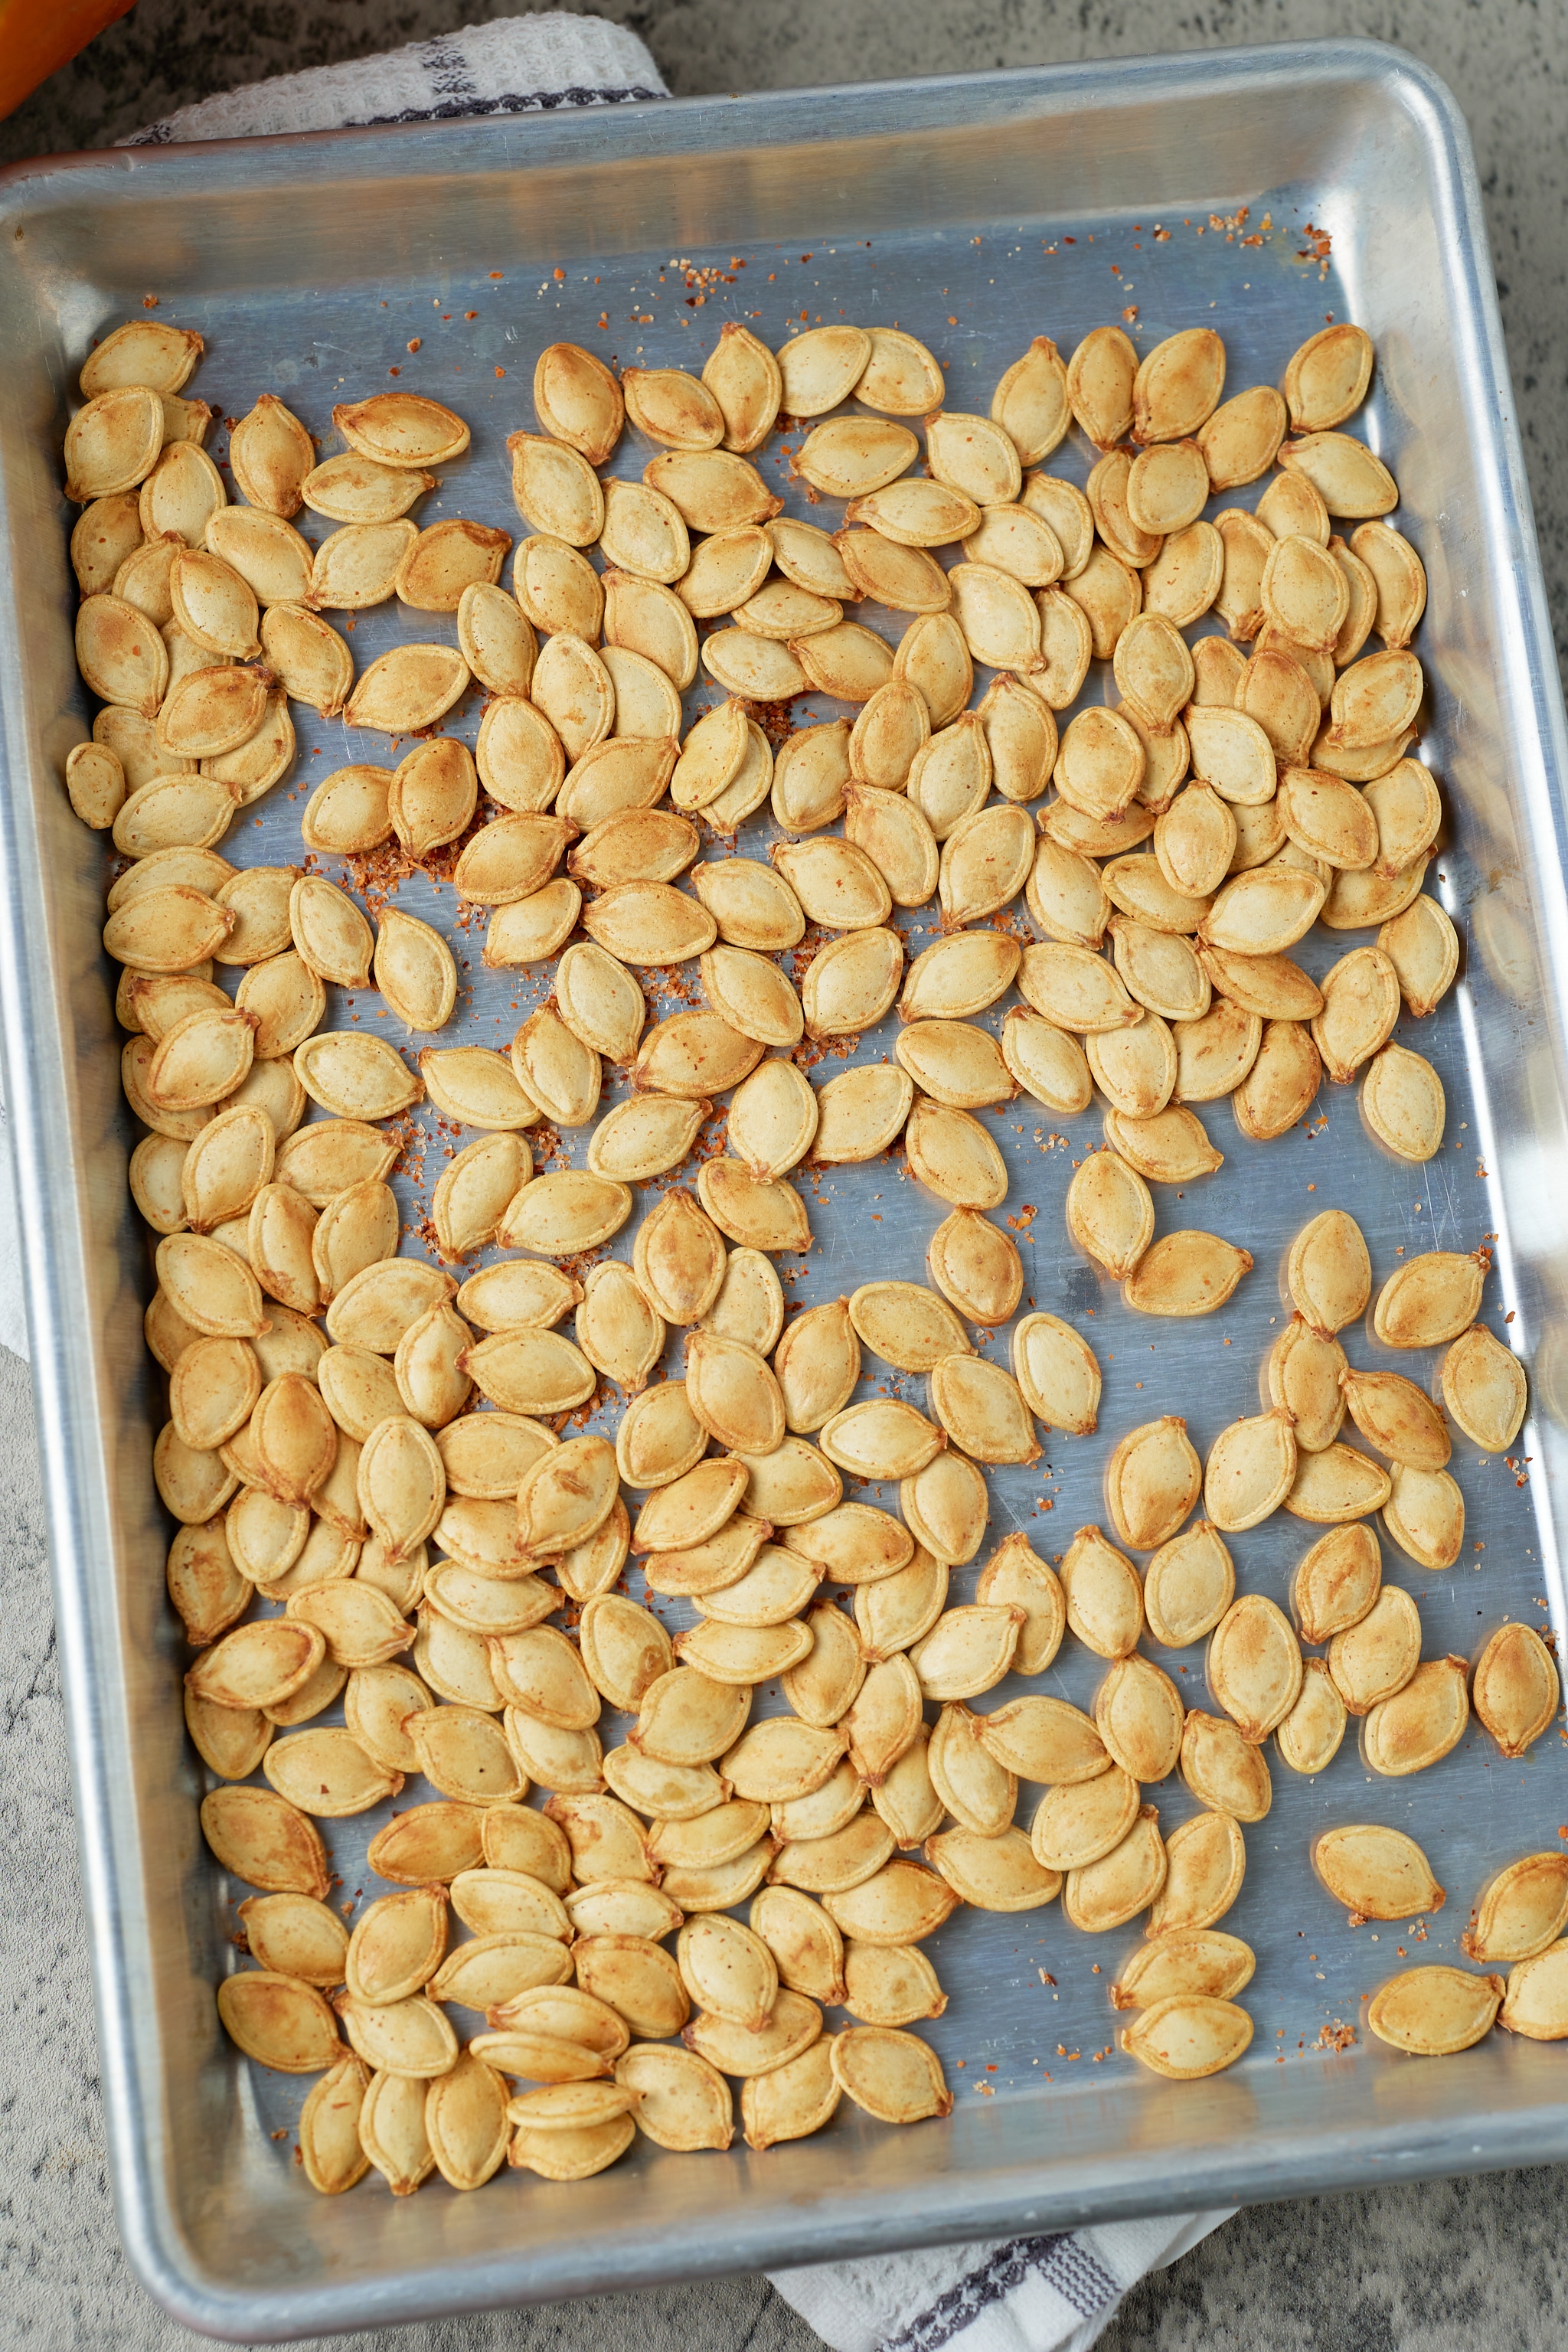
x,y
1463,2266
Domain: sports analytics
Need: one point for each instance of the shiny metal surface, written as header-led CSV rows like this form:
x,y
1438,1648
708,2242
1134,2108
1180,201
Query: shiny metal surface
x,y
977,212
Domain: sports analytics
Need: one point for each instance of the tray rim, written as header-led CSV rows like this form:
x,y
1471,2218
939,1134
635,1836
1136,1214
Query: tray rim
x,y
69,1379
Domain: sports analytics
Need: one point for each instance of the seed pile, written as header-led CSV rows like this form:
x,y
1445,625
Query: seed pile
x,y
379,1456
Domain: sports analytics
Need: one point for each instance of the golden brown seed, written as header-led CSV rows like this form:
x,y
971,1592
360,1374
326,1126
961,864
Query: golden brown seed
x,y
1108,1892
1433,2012
1104,1597
1515,1690
1255,1665
1109,1214
1152,1482
1376,1656
1188,2035
1250,1470
1337,1583
1420,1723
1425,1514
1519,1913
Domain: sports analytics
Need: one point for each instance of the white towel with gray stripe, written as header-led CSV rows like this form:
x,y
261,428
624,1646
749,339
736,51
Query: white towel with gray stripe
x,y
1048,2293
519,64
1053,2294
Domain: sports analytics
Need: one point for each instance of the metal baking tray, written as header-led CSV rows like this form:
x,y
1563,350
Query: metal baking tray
x,y
977,212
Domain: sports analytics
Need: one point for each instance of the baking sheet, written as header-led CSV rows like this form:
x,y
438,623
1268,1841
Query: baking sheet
x,y
1239,192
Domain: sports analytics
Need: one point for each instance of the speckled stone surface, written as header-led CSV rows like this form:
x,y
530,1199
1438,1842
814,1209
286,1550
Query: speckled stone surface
x,y
1466,2266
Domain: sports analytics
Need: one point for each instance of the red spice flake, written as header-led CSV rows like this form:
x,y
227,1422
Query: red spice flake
x,y
1318,247
413,342
149,301
394,371
1337,2036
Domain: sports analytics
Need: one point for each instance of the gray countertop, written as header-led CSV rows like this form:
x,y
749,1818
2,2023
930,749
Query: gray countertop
x,y
1476,2264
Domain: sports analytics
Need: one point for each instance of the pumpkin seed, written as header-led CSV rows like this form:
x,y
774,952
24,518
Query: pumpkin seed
x,y
1251,1468
954,1155
820,1687
1187,575
355,1075
976,1267
1377,1873
1159,967
1077,1825
326,1772
121,655
1194,843
1224,1770
1419,1725
792,2101
1309,1736
295,1935
1349,480
1337,1583
746,2049
348,813
994,1874
904,578
1099,380
209,1287
945,1509
1135,1068
1186,1274
266,1535
260,1838
660,1445
1402,1102
1188,2034
1137,1715
1255,1664
1326,379
1533,2003
1484,1389
1109,1213
980,1793
1108,1892
230,1741
183,491
726,1884
1336,1483
1188,1586
955,1064
907,1801
1170,1148
1207,1860
1519,1913
203,1583
1432,2012
685,1719
278,2021
1376,1656
1044,1739
113,442
1430,1298
1516,1688
914,512
1398,580
710,490
1047,1063
728,1970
